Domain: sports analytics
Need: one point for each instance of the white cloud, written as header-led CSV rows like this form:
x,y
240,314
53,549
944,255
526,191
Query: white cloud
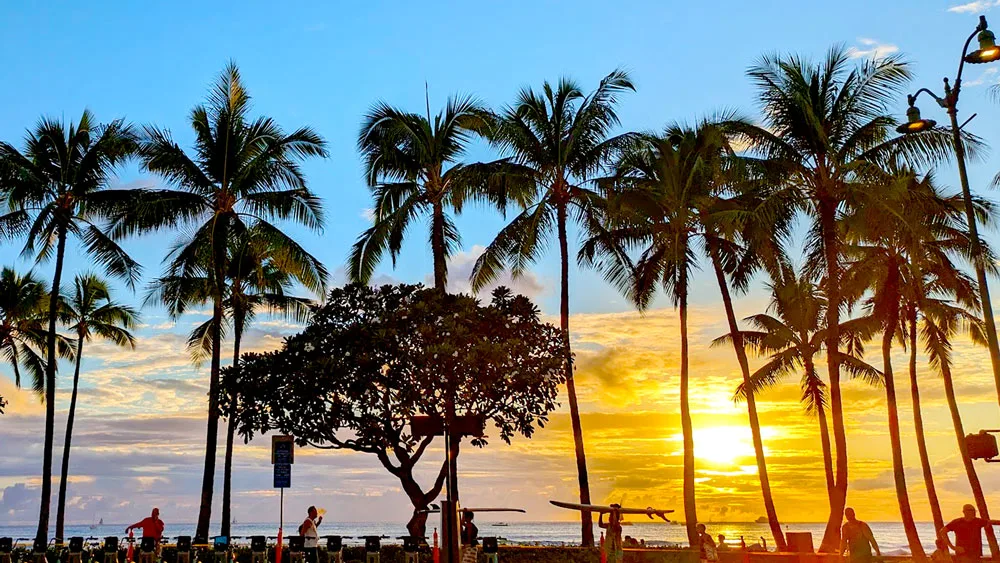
x,y
368,214
870,48
460,267
975,6
989,76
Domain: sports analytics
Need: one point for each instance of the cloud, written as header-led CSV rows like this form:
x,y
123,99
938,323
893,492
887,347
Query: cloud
x,y
460,267
975,6
140,431
988,76
870,48
368,214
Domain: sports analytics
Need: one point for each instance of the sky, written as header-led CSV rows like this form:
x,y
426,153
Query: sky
x,y
139,438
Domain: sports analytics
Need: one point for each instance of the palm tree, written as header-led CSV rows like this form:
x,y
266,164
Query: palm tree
x,y
936,232
883,240
940,322
23,306
413,166
244,174
557,139
911,314
89,311
792,335
830,127
257,281
682,185
57,187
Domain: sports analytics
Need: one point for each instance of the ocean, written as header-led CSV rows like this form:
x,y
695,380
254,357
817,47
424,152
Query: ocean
x,y
889,535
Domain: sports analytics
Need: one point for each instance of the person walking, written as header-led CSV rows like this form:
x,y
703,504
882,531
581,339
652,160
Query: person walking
x,y
310,535
857,539
968,532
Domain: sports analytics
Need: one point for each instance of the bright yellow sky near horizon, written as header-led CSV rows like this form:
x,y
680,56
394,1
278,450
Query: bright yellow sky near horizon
x,y
628,388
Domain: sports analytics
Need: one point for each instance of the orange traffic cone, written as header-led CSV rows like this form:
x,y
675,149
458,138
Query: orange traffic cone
x,y
436,551
277,547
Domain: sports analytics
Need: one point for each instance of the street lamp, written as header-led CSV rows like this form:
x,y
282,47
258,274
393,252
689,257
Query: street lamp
x,y
986,53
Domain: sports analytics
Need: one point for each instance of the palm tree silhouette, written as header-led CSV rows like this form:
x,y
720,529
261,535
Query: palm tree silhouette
x,y
558,139
244,174
58,187
89,311
830,127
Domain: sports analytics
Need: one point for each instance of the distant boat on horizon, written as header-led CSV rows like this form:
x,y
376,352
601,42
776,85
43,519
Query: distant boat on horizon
x,y
99,523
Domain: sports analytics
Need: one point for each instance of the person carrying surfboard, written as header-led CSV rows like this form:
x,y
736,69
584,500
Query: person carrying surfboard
x,y
614,536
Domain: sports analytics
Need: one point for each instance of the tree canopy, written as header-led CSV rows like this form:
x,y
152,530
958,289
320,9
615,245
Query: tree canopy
x,y
372,358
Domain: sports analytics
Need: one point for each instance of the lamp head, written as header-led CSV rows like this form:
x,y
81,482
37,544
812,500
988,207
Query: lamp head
x,y
914,124
988,50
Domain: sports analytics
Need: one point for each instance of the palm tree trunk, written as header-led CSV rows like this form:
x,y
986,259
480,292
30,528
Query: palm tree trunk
x,y
970,469
898,473
758,442
918,426
227,472
831,286
824,433
438,247
50,390
687,429
212,428
61,506
587,526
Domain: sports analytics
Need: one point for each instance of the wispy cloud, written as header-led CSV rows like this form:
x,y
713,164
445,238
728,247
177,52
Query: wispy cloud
x,y
461,264
870,48
368,214
989,76
975,6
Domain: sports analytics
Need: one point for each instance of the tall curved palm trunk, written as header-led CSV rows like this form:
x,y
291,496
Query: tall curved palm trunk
x,y
824,438
227,482
67,444
838,498
687,428
586,522
50,390
758,442
212,427
918,425
970,468
898,473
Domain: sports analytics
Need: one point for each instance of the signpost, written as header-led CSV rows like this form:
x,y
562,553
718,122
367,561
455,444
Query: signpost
x,y
282,457
452,427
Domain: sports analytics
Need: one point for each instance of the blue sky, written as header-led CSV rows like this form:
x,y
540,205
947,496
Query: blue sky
x,y
324,64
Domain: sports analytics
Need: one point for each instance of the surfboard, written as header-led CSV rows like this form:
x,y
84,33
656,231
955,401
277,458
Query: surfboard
x,y
521,510
649,511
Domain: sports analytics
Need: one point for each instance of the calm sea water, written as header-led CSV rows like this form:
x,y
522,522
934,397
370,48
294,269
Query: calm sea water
x,y
889,534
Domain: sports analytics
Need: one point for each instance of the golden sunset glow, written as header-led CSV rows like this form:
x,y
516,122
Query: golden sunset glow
x,y
723,445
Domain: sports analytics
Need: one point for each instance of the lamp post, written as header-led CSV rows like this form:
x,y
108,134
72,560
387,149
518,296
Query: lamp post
x,y
986,53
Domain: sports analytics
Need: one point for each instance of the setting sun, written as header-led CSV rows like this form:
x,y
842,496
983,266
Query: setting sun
x,y
723,445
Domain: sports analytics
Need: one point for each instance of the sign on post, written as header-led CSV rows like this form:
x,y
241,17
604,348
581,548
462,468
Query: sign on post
x,y
282,449
282,475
